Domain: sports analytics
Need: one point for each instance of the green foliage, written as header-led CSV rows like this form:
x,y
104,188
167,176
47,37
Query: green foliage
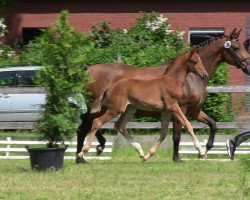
x,y
149,43
7,56
61,52
102,35
218,106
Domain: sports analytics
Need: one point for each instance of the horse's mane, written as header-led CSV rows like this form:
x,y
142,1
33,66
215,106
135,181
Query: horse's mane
x,y
171,60
210,40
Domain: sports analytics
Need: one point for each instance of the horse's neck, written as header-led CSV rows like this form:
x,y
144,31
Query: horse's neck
x,y
176,73
211,55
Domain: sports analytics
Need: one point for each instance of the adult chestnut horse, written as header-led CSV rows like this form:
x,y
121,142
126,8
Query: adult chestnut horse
x,y
160,94
225,49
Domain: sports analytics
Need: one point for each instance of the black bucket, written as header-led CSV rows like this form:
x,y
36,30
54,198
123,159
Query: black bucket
x,y
43,159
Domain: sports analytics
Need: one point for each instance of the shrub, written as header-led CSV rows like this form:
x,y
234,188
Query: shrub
x,y
61,52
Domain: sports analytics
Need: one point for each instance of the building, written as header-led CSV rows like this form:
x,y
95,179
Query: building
x,y
198,18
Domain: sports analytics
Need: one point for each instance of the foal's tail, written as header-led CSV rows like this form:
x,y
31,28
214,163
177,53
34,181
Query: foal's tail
x,y
98,103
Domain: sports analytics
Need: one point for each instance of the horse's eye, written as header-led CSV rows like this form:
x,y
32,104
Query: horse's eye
x,y
236,49
193,62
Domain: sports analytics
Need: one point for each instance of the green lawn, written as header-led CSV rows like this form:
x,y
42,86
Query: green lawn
x,y
126,177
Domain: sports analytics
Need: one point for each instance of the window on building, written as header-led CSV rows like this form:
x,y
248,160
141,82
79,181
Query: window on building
x,y
30,34
199,35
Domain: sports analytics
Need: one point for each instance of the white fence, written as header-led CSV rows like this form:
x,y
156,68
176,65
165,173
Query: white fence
x,y
187,148
14,149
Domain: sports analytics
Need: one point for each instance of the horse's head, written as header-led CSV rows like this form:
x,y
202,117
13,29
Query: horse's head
x,y
235,52
195,64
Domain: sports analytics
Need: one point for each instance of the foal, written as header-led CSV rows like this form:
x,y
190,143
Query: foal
x,y
159,94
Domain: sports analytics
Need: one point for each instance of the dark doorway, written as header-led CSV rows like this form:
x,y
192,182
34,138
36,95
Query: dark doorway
x,y
30,34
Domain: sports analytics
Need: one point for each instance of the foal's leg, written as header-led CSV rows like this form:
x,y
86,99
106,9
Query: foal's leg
x,y
165,118
203,117
97,123
177,112
120,126
82,131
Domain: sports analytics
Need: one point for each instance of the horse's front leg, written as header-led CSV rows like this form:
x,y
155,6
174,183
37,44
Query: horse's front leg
x,y
177,112
165,118
203,117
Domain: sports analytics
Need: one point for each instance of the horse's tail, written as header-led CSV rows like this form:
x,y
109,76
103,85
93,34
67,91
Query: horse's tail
x,y
98,103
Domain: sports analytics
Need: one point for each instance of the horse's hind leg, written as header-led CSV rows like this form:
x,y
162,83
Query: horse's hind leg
x,y
177,112
165,118
82,132
120,126
101,140
97,123
203,117
177,128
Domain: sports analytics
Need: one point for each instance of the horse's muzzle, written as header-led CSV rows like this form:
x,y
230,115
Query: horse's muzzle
x,y
204,76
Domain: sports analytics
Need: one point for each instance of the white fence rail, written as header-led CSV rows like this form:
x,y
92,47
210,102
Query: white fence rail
x,y
14,149
187,148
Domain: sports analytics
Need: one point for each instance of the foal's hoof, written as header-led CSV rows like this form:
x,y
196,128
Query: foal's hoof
x,y
99,149
143,159
80,160
203,156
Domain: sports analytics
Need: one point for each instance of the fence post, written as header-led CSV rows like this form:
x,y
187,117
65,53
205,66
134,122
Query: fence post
x,y
8,147
119,57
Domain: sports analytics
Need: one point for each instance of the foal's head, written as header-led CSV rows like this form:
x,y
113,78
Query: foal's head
x,y
194,64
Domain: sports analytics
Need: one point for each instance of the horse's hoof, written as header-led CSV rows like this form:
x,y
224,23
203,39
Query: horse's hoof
x,y
177,160
203,156
80,160
143,159
99,149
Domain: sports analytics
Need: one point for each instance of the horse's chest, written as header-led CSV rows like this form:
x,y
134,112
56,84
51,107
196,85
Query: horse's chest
x,y
194,91
193,97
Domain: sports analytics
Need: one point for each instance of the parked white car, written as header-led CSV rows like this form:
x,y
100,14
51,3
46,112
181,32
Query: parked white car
x,y
20,97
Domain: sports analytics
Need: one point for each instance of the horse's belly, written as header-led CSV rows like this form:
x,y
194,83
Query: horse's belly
x,y
149,106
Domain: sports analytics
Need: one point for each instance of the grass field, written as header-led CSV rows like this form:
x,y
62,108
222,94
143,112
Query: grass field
x,y
125,177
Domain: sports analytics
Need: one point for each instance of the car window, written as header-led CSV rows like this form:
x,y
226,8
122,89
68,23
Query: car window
x,y
26,79
7,78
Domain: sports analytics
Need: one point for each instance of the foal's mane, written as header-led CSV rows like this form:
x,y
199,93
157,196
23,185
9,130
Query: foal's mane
x,y
172,61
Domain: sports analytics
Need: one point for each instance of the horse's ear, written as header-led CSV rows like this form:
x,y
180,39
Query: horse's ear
x,y
191,52
238,33
233,34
